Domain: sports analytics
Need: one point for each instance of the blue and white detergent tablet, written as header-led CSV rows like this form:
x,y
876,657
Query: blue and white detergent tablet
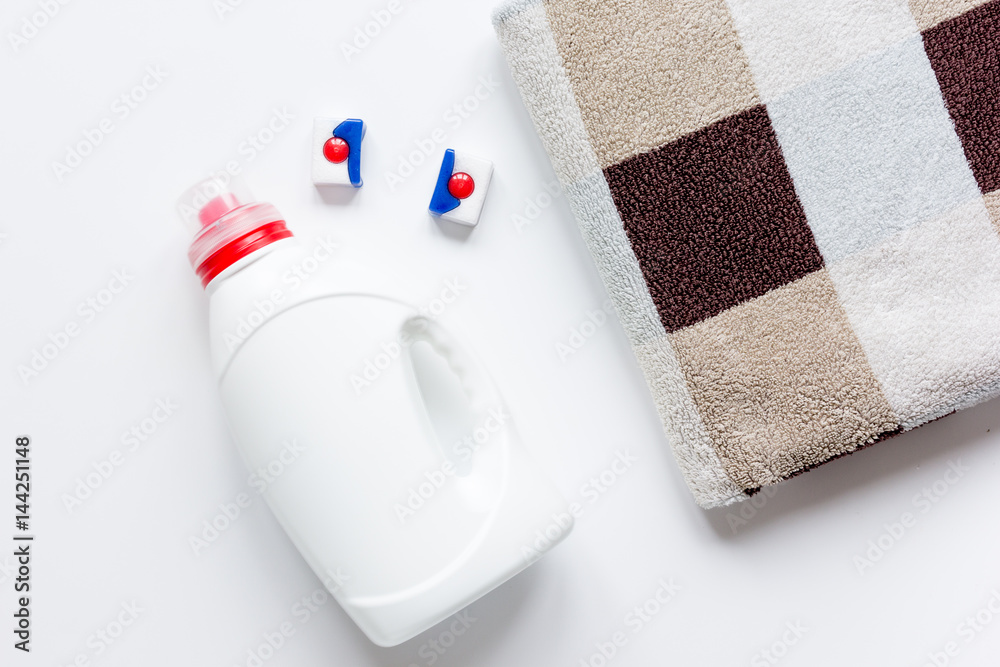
x,y
336,151
461,187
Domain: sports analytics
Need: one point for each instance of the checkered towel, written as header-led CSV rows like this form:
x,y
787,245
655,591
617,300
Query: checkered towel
x,y
794,205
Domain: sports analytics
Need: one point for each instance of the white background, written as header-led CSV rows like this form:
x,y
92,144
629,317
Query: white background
x,y
793,560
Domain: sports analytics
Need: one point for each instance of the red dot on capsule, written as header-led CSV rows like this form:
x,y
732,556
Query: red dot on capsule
x,y
335,150
461,185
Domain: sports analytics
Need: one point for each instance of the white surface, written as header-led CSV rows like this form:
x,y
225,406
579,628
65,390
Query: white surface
x,y
528,286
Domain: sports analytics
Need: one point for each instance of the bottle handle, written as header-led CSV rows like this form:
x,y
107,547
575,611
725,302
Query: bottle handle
x,y
476,383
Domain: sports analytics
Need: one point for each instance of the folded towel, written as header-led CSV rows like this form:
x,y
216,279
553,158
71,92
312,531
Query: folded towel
x,y
794,205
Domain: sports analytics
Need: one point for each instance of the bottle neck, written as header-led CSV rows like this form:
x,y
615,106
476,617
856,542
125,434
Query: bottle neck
x,y
239,248
245,261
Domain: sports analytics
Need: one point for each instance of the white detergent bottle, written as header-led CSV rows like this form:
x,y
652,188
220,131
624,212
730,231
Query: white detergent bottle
x,y
344,387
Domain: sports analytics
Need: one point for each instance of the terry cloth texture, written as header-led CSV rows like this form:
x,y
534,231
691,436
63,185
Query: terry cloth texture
x,y
794,205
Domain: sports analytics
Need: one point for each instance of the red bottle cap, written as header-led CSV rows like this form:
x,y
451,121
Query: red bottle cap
x,y
227,225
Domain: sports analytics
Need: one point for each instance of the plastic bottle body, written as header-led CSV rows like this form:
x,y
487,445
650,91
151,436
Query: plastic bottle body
x,y
403,527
